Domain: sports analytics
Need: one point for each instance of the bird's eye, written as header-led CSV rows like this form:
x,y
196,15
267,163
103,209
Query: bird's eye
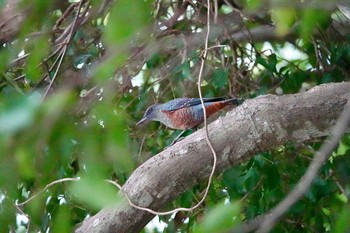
x,y
150,110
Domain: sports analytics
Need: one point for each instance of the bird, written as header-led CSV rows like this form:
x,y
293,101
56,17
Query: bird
x,y
185,113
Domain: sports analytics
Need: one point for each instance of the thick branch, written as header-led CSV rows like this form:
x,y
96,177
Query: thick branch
x,y
258,125
11,18
306,181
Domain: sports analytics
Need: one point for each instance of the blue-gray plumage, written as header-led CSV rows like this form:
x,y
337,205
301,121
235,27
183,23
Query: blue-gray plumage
x,y
185,113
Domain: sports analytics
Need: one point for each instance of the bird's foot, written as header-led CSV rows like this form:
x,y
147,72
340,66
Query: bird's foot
x,y
177,139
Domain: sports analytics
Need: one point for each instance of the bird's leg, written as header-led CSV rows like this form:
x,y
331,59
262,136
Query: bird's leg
x,y
177,138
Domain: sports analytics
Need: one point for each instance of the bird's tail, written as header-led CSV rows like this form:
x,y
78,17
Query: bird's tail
x,y
235,101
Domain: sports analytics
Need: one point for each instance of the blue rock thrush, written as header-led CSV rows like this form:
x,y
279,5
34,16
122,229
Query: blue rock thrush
x,y
185,113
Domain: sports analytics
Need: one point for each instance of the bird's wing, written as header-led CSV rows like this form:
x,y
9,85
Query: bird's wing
x,y
188,102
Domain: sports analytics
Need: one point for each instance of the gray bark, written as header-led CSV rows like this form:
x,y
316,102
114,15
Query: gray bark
x,y
11,18
257,125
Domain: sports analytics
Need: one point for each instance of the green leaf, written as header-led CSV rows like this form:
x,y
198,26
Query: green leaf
x,y
342,149
312,19
293,83
25,163
272,62
186,72
95,192
18,113
284,18
62,220
219,78
154,61
126,18
260,60
39,51
220,219
126,22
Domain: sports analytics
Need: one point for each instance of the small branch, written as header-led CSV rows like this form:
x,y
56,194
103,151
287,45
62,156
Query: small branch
x,y
18,60
46,187
179,11
65,46
61,56
68,11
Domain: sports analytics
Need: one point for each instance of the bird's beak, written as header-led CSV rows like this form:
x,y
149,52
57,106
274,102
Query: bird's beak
x,y
142,121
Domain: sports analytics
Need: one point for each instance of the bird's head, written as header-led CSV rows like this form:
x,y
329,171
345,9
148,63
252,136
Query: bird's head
x,y
151,114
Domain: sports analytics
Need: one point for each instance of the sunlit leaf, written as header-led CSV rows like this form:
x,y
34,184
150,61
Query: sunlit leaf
x,y
342,223
284,18
18,113
94,192
313,18
62,219
127,18
220,219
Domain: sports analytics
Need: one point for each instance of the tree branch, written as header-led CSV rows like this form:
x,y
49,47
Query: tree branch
x,y
11,18
306,181
258,125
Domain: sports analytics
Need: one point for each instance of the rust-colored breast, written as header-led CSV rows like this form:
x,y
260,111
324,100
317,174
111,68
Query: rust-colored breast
x,y
190,117
182,119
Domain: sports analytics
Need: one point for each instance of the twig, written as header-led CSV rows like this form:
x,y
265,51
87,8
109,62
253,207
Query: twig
x,y
64,16
344,192
18,209
55,74
255,187
52,66
141,146
65,46
26,215
216,46
103,6
216,6
46,187
18,60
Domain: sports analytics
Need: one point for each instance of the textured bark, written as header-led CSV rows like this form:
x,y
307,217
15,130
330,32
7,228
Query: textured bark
x,y
257,125
11,18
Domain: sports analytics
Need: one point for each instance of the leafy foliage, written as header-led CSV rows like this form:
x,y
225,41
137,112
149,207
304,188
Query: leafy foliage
x,y
77,76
